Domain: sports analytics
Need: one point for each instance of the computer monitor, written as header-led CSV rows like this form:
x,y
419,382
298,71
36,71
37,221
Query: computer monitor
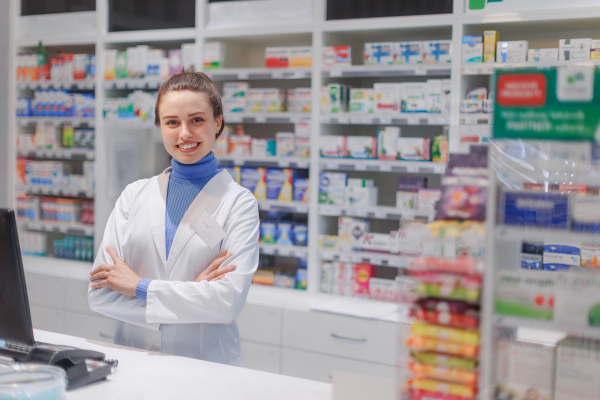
x,y
15,319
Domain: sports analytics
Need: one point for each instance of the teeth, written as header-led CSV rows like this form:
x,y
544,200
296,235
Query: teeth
x,y
188,146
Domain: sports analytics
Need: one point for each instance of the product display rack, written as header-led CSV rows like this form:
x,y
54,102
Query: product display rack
x,y
320,33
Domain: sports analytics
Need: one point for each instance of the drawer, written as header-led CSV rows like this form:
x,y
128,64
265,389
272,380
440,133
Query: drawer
x,y
342,336
260,324
45,290
319,367
47,319
88,327
261,357
76,297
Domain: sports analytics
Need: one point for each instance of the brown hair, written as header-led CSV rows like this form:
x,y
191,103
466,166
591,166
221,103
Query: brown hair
x,y
194,82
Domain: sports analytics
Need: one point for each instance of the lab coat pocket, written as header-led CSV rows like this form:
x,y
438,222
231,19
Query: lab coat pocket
x,y
209,230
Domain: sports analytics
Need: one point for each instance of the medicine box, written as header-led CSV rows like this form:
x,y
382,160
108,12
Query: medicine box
x,y
362,275
540,210
414,97
239,145
336,56
407,191
537,55
214,55
277,57
361,147
285,144
300,57
352,230
301,191
337,98
359,182
595,50
120,65
387,142
361,100
333,146
259,147
472,48
434,95
408,53
280,183
413,149
437,51
446,92
490,38
377,242
235,104
255,180
574,49
561,256
332,186
235,89
110,57
255,101
379,53
471,106
326,277
512,51
383,289
428,199
488,106
360,196
387,97
274,100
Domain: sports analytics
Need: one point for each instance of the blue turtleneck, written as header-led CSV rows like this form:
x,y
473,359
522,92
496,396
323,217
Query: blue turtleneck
x,y
185,182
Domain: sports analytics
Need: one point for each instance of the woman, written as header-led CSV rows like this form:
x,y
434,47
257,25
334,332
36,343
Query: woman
x,y
180,249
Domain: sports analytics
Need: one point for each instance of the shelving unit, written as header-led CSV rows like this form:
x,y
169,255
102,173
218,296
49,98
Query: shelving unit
x,y
549,25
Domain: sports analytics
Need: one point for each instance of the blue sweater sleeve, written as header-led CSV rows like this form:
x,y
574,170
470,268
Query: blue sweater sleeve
x,y
142,288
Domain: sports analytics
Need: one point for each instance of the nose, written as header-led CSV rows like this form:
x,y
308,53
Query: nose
x,y
184,133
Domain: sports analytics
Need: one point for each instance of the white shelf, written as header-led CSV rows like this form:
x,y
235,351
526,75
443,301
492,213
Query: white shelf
x,y
512,233
57,121
84,84
384,259
266,118
476,119
490,68
50,191
283,206
73,154
129,123
376,119
133,83
60,267
411,167
74,228
509,321
379,212
283,250
280,162
243,74
364,71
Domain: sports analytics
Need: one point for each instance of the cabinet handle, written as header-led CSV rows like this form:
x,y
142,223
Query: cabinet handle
x,y
362,340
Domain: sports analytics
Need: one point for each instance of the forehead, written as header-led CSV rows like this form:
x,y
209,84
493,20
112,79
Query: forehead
x,y
184,98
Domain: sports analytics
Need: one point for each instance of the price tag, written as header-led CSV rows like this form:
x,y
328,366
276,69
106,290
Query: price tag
x,y
298,75
385,167
357,212
331,165
469,69
63,228
345,257
343,119
355,120
302,164
335,73
277,74
376,260
261,119
438,121
48,228
420,70
360,166
380,214
139,83
80,85
508,68
412,168
39,153
234,118
121,84
292,253
413,119
44,85
439,169
88,231
284,164
385,120
89,85
242,75
470,120
487,69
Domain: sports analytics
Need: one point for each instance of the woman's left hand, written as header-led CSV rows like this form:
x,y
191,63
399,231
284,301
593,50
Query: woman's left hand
x,y
118,277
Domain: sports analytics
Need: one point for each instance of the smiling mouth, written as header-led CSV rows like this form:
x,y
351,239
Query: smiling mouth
x,y
187,146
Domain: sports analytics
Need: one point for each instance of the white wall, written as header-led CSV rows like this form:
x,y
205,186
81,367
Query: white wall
x,y
4,95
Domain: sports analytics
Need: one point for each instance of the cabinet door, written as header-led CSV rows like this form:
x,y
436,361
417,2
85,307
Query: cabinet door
x,y
319,367
342,336
45,290
260,324
47,319
88,327
261,357
76,299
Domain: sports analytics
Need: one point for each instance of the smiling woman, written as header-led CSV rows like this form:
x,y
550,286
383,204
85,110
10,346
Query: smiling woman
x,y
180,249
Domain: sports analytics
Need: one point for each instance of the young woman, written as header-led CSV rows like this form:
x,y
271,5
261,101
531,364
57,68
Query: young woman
x,y
180,249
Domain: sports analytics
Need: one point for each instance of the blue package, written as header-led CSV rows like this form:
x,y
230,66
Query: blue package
x,y
300,236
276,179
284,230
301,278
302,263
539,210
268,232
561,257
300,189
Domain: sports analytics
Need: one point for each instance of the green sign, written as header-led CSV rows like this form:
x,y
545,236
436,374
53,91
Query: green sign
x,y
549,104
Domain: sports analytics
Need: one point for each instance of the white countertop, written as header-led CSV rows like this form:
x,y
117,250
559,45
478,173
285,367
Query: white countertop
x,y
144,375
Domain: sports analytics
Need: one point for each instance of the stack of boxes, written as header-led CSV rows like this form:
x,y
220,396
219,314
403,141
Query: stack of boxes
x,y
281,184
32,67
57,103
137,105
239,97
54,174
285,144
393,53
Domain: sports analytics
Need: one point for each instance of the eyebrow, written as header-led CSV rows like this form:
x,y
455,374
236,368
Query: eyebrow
x,y
189,115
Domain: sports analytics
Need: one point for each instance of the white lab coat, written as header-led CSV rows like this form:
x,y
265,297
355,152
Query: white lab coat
x,y
180,316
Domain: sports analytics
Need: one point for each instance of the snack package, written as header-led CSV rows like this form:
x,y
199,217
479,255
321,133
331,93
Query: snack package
x,y
447,312
420,343
453,265
444,387
455,375
445,333
444,360
450,286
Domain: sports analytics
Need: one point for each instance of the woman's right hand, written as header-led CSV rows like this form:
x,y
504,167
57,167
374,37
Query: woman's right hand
x,y
212,273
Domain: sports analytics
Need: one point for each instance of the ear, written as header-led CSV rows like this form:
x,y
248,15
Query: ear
x,y
219,121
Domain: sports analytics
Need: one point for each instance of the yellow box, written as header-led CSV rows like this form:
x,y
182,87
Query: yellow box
x,y
489,45
595,55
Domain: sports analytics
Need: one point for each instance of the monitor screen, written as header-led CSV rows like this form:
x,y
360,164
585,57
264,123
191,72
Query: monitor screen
x,y
15,320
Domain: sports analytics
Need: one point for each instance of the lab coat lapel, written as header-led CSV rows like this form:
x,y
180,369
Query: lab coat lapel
x,y
207,200
157,207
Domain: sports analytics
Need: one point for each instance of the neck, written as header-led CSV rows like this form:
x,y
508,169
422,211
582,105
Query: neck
x,y
206,167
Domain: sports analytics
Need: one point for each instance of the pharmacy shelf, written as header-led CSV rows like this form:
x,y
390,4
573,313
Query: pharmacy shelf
x,y
243,74
57,121
384,259
365,71
60,267
274,162
71,229
379,212
266,118
283,250
490,68
508,321
84,84
351,164
129,123
133,83
283,206
541,235
475,119
69,154
35,190
396,119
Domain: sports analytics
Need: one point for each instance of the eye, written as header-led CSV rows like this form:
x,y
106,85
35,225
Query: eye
x,y
171,122
197,120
